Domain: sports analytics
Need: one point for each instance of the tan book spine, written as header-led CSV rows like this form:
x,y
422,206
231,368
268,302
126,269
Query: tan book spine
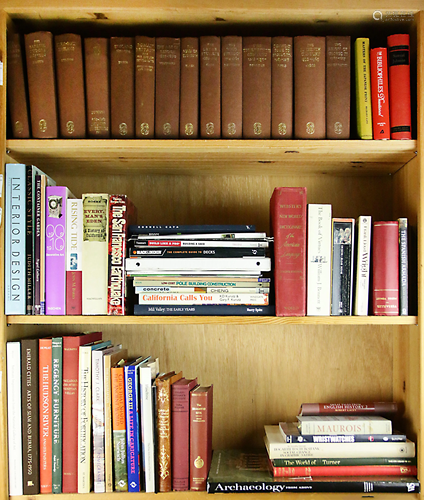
x,y
145,50
16,89
210,87
282,87
97,83
256,87
189,100
41,84
338,87
232,86
70,86
167,105
122,87
309,87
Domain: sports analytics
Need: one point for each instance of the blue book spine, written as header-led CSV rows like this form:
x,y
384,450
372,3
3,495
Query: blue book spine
x,y
15,236
133,453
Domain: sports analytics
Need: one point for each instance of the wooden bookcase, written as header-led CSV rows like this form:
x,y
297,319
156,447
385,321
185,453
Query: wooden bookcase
x,y
262,368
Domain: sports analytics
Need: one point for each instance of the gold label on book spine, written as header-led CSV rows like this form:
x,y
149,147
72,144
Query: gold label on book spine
x,y
166,128
231,129
189,129
257,128
123,128
42,125
210,128
338,128
199,463
95,218
282,129
310,128
70,127
18,127
144,129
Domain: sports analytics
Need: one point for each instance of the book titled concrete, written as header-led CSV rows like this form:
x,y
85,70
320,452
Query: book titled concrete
x,y
363,263
348,424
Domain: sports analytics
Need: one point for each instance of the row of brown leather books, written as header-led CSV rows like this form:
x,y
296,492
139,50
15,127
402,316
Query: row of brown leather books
x,y
252,87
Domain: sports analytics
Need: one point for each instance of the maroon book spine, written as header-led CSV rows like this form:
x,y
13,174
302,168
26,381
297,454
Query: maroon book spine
x,y
256,87
380,93
232,87
97,84
210,87
167,104
385,268
365,408
180,433
309,87
288,222
282,87
189,96
41,84
16,89
145,50
70,86
122,87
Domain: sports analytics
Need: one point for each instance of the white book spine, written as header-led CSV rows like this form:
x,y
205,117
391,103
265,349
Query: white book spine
x,y
192,289
319,260
310,426
84,419
258,299
74,236
98,421
362,266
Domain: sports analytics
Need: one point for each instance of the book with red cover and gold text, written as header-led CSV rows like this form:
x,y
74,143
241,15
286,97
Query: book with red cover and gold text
x,y
210,87
232,86
282,87
189,95
145,50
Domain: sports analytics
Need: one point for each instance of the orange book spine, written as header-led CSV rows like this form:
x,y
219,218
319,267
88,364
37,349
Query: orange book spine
x,y
119,428
45,388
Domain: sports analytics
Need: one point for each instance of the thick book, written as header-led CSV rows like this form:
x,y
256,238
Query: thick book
x,y
403,266
70,86
253,299
122,87
210,87
380,93
361,408
189,93
363,265
74,217
318,300
363,88
45,413
385,268
192,229
343,234
345,424
190,252
338,87
282,87
97,87
17,88
203,310
331,462
145,57
399,86
231,87
288,222
167,99
122,213
256,87
309,87
57,413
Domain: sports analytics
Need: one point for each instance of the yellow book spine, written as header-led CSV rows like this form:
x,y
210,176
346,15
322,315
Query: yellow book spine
x,y
363,88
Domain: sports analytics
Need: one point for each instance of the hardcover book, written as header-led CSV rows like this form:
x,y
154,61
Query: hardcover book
x,y
380,93
403,266
337,462
232,87
29,255
260,299
363,265
361,408
203,310
57,407
45,413
145,55
346,424
189,93
74,222
210,87
193,230
363,88
282,87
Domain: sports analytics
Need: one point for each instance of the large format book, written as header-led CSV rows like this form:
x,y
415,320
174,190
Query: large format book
x,y
334,462
318,301
167,99
363,88
288,222
338,87
363,265
361,408
41,84
193,230
122,87
201,417
231,87
403,266
145,50
45,413
203,310
57,407
122,213
17,88
97,80
189,93
282,87
346,424
95,253
173,298
256,87
385,268
309,87
399,86
172,243
70,86
190,252
14,418
74,257
210,87
380,93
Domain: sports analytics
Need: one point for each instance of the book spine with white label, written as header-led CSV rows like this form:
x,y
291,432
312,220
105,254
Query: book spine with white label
x,y
74,257
363,258
84,419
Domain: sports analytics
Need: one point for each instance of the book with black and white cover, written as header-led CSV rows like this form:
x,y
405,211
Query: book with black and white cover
x,y
190,252
203,310
259,299
198,289
152,230
403,266
226,235
363,265
216,243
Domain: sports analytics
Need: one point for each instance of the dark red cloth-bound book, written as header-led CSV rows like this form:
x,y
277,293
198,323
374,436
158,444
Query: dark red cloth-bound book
x,y
189,95
145,50
399,86
210,87
385,269
364,408
380,93
232,86
282,87
288,223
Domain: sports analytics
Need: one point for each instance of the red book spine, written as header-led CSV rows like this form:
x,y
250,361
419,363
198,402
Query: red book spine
x,y
145,50
378,408
232,87
385,271
288,222
210,87
189,95
399,86
45,390
282,87
73,293
380,93
345,470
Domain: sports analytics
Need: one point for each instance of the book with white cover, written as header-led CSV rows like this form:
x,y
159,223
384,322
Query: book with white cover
x,y
203,236
223,243
349,424
319,260
363,255
251,299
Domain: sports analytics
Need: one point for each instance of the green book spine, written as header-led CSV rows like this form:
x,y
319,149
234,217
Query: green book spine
x,y
57,377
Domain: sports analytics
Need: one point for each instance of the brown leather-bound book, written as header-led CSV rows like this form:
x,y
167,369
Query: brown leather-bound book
x,y
167,105
210,87
97,85
189,95
282,87
338,87
41,84
70,86
145,50
309,87
256,87
122,65
232,86
16,89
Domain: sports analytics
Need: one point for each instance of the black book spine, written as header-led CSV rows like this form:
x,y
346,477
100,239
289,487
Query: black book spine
x,y
341,294
37,246
191,229
203,310
351,438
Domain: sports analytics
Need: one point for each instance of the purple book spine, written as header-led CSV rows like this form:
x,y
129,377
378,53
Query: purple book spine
x,y
56,197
